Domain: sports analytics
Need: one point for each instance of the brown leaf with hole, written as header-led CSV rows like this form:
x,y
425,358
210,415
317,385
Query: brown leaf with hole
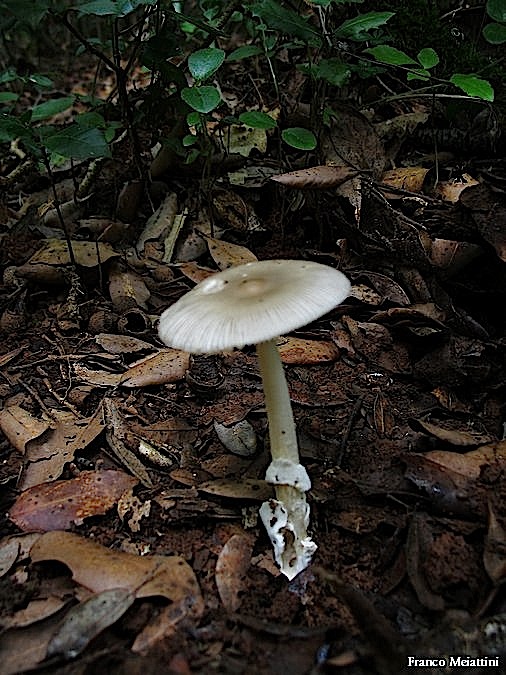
x,y
168,365
298,351
46,456
231,567
99,569
56,506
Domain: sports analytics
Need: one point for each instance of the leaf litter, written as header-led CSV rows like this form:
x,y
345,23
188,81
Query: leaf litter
x,y
398,397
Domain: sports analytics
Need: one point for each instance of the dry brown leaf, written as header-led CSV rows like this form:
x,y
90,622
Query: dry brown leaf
x,y
450,191
316,177
227,255
160,223
406,178
97,378
122,344
452,255
168,365
99,569
240,438
299,351
14,548
231,568
58,505
86,253
24,649
470,464
450,433
195,272
20,426
127,289
240,488
46,456
36,610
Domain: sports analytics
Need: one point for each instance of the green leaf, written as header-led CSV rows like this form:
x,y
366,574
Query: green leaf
x,y
299,138
189,140
285,21
358,28
75,142
332,70
244,52
257,120
496,9
8,96
117,8
11,128
51,108
201,99
30,12
390,55
205,62
418,74
40,81
427,57
495,33
473,86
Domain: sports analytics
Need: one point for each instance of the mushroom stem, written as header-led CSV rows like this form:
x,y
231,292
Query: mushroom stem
x,y
277,401
286,517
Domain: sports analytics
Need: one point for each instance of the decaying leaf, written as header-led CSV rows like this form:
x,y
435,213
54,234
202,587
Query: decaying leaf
x,y
227,255
20,426
455,432
244,488
57,505
299,351
122,344
46,454
100,569
240,438
160,223
168,365
316,177
231,567
406,178
127,289
86,253
86,620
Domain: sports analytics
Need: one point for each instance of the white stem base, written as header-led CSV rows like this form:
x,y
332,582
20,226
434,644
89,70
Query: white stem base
x,y
286,518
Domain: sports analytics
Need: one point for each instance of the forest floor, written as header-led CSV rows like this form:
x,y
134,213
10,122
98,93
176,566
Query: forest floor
x,y
129,534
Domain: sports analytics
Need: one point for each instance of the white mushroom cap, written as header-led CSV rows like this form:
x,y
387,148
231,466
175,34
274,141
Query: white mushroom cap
x,y
251,303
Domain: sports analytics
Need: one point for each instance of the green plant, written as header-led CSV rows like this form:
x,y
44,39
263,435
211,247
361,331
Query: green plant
x,y
495,32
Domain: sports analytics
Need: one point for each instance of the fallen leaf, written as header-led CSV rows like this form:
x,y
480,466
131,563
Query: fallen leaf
x,y
227,255
100,569
168,365
455,432
57,505
127,289
241,488
122,344
316,177
299,351
231,568
86,620
86,253
240,438
46,456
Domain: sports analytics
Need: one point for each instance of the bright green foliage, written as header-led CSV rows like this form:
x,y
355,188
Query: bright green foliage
x,y
360,27
473,86
205,62
257,120
201,99
299,138
390,55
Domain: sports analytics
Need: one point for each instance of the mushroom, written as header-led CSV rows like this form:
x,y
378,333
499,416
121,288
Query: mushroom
x,y
253,304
